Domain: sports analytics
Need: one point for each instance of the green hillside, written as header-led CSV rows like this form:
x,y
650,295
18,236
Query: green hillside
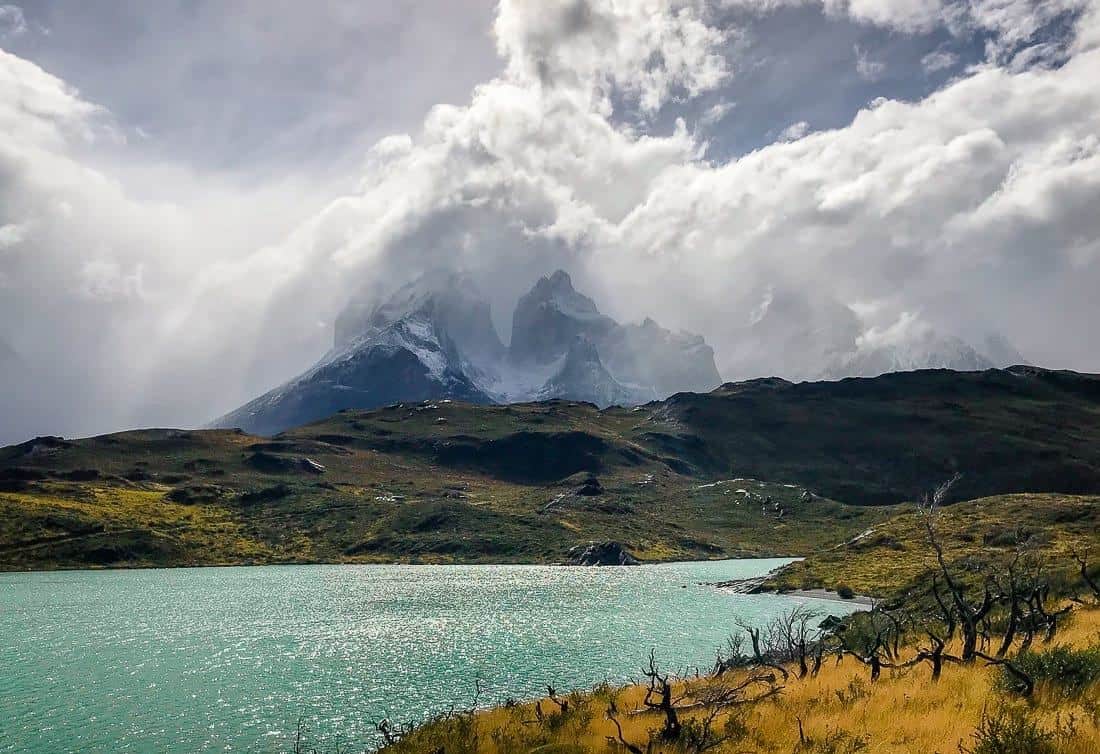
x,y
764,467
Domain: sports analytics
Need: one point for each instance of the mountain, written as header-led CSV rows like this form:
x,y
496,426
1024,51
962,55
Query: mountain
x,y
794,333
434,339
407,350
550,317
664,361
450,300
928,351
809,335
636,362
758,467
582,377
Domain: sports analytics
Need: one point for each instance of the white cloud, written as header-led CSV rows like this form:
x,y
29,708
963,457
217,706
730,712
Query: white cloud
x,y
970,205
871,70
1009,23
12,234
904,15
12,21
939,60
647,49
716,113
795,131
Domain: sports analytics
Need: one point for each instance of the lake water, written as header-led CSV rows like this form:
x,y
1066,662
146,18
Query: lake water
x,y
227,659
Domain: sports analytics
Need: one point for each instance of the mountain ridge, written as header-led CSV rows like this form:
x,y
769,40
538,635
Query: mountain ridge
x,y
760,467
434,339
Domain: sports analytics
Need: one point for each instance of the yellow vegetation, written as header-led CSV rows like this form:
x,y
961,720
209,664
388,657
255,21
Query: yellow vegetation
x,y
64,513
840,711
895,552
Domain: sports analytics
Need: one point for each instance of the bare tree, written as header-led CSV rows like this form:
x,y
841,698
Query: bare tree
x,y
967,613
1081,555
658,696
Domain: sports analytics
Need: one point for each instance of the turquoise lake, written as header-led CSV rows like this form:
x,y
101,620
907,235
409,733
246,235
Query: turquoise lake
x,y
227,659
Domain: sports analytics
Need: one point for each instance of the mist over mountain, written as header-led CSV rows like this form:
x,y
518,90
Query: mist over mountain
x,y
8,356
173,245
434,338
812,336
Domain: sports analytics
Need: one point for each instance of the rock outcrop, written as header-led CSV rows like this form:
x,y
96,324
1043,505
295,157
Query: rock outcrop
x,y
601,554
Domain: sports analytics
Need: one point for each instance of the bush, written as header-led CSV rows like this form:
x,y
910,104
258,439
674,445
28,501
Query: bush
x,y
1070,670
845,592
1010,731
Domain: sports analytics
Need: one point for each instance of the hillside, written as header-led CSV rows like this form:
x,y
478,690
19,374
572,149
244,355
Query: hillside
x,y
838,709
763,467
894,555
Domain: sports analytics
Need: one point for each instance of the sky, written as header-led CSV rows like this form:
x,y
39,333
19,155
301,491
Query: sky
x,y
191,191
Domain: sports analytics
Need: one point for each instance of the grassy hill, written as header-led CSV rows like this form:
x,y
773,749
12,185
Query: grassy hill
x,y
892,556
763,467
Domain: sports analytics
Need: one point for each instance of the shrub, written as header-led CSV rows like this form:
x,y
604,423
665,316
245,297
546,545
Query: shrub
x,y
1010,730
834,742
845,592
1070,670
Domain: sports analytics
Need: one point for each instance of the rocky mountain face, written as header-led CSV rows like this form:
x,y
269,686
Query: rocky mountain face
x,y
583,377
435,339
551,316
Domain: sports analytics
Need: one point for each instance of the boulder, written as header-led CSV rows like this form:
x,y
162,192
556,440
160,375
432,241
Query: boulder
x,y
276,464
601,554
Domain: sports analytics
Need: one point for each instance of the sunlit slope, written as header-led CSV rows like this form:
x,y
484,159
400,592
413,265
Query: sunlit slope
x,y
437,483
765,467
894,554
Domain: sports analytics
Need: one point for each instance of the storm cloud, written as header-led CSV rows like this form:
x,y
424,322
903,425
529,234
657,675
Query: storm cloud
x,y
648,147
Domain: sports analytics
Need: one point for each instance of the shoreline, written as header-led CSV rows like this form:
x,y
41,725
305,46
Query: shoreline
x,y
756,585
485,563
827,596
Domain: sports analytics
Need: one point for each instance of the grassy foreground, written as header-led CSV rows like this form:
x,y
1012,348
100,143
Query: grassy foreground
x,y
840,711
984,646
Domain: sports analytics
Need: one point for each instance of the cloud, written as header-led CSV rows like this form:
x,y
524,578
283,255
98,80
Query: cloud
x,y
872,70
12,21
903,15
969,207
893,208
11,235
795,131
1005,25
939,60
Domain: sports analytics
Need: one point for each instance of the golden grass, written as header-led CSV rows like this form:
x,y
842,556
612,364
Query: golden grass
x,y
896,552
207,531
841,711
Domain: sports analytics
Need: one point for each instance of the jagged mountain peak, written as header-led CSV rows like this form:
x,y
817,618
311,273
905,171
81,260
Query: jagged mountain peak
x,y
583,377
549,316
450,301
434,338
556,290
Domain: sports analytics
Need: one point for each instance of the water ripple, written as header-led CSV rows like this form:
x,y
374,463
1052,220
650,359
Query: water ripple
x,y
227,659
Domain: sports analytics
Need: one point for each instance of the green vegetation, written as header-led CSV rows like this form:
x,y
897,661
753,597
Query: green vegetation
x,y
757,468
439,483
892,556
1070,671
